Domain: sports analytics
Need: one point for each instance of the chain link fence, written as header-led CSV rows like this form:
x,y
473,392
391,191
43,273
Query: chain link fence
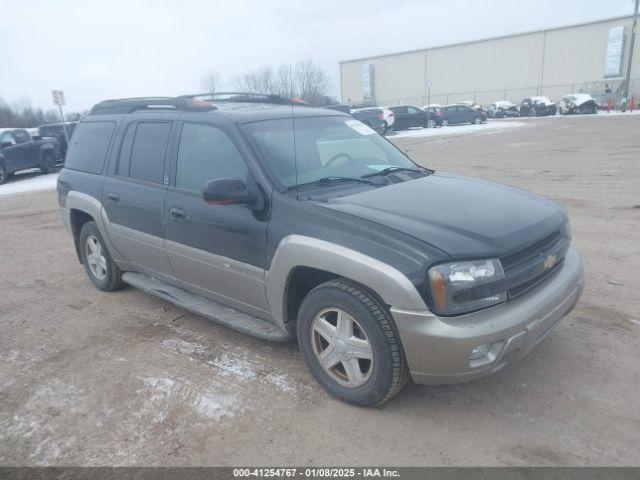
x,y
598,89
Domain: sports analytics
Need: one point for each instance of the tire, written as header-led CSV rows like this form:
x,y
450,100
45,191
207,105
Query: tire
x,y
371,331
4,176
112,277
431,123
445,122
477,120
48,163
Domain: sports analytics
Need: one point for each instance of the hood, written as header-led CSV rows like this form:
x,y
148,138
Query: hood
x,y
461,216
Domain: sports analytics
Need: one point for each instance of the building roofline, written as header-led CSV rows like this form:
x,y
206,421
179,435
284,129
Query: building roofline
x,y
486,39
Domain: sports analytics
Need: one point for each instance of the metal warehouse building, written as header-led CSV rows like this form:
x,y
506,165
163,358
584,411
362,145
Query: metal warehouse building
x,y
554,62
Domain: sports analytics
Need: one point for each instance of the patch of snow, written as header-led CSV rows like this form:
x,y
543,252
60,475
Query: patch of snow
x,y
231,365
184,347
280,381
457,129
634,321
22,182
167,394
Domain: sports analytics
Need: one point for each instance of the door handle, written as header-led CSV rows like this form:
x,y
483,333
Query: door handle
x,y
113,196
177,213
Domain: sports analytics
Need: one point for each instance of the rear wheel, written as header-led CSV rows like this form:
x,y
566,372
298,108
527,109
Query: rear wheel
x,y
48,163
431,123
350,343
100,267
4,176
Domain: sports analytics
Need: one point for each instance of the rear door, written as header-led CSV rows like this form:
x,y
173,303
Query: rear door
x,y
401,116
416,118
133,195
218,248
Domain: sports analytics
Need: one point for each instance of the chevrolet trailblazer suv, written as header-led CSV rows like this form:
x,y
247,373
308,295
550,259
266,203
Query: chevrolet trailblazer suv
x,y
285,221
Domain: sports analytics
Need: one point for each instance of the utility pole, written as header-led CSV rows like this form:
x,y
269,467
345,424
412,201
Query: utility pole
x,y
632,43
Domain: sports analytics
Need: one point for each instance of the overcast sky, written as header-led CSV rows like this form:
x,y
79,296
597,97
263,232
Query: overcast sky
x,y
119,48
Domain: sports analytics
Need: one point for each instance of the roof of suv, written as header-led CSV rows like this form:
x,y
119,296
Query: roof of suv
x,y
238,108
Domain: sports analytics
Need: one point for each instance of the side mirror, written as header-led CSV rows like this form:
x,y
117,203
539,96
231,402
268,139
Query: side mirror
x,y
228,191
6,144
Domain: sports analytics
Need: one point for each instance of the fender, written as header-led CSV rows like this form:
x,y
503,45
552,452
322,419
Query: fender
x,y
293,251
92,206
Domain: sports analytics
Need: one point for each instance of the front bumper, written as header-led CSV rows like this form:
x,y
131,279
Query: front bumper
x,y
438,349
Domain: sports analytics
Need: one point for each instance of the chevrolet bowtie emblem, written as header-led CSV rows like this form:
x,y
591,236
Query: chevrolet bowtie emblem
x,y
549,262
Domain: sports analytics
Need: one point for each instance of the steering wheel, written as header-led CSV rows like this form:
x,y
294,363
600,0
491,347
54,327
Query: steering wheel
x,y
337,156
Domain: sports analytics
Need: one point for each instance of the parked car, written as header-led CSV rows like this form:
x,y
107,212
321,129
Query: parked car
x,y
459,113
389,118
316,230
57,131
20,151
434,116
537,106
408,116
577,103
503,109
371,117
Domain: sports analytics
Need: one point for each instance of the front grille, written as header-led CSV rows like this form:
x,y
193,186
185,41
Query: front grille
x,y
529,266
521,256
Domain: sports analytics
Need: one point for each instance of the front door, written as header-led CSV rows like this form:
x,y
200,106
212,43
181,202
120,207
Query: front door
x,y
16,155
218,248
133,196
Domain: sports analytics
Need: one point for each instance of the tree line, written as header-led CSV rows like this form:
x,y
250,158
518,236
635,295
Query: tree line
x,y
305,80
23,114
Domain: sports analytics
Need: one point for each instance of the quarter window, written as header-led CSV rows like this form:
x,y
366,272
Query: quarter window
x,y
7,137
89,146
205,153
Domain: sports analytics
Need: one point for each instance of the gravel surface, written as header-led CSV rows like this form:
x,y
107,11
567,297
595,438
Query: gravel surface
x,y
92,378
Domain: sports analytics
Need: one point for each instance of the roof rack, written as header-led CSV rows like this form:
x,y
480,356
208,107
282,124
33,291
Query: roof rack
x,y
245,97
130,105
195,102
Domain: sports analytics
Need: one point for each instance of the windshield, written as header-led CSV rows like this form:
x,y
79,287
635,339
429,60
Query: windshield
x,y
323,147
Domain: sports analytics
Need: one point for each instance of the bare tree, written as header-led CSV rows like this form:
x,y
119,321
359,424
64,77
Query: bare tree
x,y
311,82
210,82
305,80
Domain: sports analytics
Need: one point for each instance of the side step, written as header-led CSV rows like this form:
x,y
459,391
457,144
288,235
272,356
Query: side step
x,y
204,307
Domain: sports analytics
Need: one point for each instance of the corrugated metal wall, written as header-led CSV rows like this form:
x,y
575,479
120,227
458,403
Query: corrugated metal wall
x,y
550,62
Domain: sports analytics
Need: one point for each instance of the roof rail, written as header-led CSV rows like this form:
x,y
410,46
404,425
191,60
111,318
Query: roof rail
x,y
245,97
130,105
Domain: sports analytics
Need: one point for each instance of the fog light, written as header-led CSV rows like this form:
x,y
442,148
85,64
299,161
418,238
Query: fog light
x,y
480,351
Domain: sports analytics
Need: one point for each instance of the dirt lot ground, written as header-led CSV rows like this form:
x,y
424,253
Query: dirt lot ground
x,y
124,378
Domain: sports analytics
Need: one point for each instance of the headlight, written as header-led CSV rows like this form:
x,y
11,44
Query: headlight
x,y
461,287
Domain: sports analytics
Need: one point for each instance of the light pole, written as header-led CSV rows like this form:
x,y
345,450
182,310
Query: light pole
x,y
632,43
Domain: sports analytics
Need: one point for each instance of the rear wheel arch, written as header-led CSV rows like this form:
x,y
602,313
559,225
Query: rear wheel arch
x,y
78,218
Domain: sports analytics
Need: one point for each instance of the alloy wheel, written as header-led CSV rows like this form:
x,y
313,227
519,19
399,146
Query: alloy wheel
x,y
342,347
95,257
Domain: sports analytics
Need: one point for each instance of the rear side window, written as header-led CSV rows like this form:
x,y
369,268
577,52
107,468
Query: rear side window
x,y
89,145
143,151
206,153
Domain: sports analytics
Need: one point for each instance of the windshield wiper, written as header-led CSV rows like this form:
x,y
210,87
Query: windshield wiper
x,y
389,170
329,180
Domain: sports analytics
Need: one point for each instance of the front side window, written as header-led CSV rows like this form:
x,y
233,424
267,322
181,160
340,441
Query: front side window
x,y
323,147
206,153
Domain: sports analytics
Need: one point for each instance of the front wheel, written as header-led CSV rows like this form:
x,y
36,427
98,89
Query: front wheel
x,y
445,122
48,163
477,120
431,123
350,344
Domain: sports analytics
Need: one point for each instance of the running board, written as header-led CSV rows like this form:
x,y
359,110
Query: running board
x,y
204,307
